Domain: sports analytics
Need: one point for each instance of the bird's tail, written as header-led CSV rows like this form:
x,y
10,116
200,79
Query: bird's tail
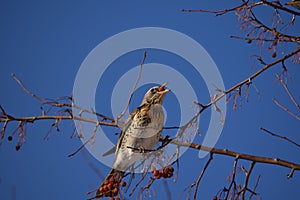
x,y
111,185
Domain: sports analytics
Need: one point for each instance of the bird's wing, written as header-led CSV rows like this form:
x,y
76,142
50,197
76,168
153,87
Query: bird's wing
x,y
125,127
127,123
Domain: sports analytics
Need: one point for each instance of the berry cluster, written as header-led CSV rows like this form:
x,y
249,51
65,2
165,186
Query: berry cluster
x,y
166,172
110,188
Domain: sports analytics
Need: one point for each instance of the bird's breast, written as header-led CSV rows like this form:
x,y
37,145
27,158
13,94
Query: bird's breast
x,y
147,123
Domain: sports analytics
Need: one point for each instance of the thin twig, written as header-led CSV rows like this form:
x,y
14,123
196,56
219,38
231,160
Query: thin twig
x,y
201,175
26,90
233,177
216,12
255,186
135,86
285,109
279,136
80,148
250,78
138,183
277,6
288,92
248,173
55,104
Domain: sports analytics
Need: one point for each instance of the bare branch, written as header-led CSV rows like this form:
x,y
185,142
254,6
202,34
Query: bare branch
x,y
135,85
216,12
255,186
42,100
233,177
275,5
248,173
285,109
258,159
257,73
201,175
61,117
288,91
279,136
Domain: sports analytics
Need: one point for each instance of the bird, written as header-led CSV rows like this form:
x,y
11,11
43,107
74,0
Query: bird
x,y
140,134
294,3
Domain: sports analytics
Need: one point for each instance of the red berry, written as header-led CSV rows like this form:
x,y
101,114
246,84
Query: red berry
x,y
158,176
116,185
105,188
165,170
112,179
110,186
152,169
18,147
274,54
111,198
101,189
106,182
169,175
118,198
165,175
171,169
123,184
156,172
116,191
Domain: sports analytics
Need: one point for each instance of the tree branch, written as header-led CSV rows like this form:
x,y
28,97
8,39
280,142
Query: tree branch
x,y
226,152
279,136
201,175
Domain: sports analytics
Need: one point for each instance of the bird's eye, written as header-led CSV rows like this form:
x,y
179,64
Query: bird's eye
x,y
153,90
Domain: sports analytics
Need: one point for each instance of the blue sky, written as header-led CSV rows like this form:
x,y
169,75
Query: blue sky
x,y
44,44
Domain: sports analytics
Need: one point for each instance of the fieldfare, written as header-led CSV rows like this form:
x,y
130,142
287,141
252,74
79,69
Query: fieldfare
x,y
140,134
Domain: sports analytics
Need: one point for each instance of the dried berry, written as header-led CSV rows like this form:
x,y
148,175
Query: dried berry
x,y
101,189
274,54
112,179
106,182
105,188
123,184
18,147
165,171
116,185
152,169
158,176
169,175
10,138
164,175
110,186
116,191
155,172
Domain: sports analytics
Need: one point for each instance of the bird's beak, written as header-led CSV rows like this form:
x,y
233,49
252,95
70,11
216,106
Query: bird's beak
x,y
162,89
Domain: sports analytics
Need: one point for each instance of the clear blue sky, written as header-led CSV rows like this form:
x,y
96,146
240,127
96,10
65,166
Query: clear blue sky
x,y
44,44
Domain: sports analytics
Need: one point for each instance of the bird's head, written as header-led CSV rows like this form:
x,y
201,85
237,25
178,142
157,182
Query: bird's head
x,y
155,95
